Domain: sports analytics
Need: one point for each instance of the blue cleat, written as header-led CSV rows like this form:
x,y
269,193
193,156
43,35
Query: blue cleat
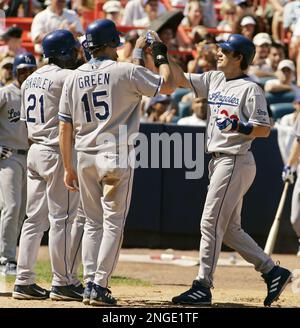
x,y
101,296
276,280
196,295
66,293
29,292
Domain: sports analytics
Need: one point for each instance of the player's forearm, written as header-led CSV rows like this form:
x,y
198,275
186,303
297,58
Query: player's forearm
x,y
178,75
66,143
295,153
260,131
168,85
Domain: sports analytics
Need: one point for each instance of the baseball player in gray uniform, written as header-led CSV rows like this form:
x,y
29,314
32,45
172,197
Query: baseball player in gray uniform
x,y
98,99
13,168
48,199
237,114
288,176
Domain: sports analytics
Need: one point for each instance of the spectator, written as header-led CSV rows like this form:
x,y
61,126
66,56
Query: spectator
x,y
199,109
205,59
112,10
193,19
291,13
244,7
284,82
159,110
135,10
247,26
125,53
6,71
276,55
17,8
151,10
262,42
209,12
194,14
55,16
13,42
278,7
229,19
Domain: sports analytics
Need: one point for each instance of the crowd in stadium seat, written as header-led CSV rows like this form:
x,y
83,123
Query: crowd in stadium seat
x,y
273,26
190,28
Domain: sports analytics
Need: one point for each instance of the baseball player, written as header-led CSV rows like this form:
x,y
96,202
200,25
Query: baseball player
x,y
13,151
98,99
288,174
237,114
48,202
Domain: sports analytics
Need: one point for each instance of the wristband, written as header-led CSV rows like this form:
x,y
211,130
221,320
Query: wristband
x,y
159,53
245,128
137,53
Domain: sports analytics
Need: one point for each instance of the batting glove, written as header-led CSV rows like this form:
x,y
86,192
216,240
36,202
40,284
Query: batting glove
x,y
288,174
5,152
226,124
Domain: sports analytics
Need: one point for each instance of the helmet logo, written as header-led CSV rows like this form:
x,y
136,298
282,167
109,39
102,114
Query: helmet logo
x,y
27,59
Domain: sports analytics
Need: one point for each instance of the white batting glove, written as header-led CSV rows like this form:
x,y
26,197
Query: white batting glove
x,y
5,152
288,174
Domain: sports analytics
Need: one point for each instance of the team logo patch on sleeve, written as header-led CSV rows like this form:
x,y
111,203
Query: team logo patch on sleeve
x,y
261,112
13,116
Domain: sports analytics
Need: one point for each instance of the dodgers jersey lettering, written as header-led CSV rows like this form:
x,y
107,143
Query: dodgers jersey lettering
x,y
41,93
102,95
238,98
13,132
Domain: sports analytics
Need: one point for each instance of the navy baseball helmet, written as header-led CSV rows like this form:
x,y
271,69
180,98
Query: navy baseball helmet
x,y
102,32
59,44
241,44
25,59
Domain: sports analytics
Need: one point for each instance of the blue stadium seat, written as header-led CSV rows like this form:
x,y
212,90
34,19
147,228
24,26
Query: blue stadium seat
x,y
281,109
262,80
280,97
184,109
177,95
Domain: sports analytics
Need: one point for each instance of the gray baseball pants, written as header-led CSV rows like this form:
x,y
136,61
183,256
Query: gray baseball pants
x,y
105,192
230,178
49,204
13,203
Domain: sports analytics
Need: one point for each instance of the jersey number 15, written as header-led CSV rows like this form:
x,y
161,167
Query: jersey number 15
x,y
96,104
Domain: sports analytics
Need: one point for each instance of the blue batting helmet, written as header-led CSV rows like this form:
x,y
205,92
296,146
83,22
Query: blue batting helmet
x,y
241,44
25,59
59,44
102,32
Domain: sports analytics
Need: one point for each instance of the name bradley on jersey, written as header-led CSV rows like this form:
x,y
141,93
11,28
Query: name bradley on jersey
x,y
39,83
88,81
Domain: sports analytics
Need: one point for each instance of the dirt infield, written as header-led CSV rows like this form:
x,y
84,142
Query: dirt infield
x,y
234,286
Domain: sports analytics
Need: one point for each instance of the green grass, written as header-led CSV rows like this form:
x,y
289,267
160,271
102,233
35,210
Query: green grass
x,y
44,275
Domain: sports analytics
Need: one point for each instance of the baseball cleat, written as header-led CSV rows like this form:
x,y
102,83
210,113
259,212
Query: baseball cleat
x,y
66,293
276,280
196,295
29,292
101,296
87,293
